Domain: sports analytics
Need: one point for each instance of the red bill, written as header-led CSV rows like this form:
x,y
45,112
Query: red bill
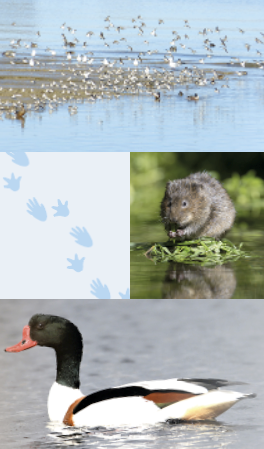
x,y
25,343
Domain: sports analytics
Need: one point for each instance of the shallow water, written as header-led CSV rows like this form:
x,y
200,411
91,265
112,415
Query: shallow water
x,y
131,341
228,120
242,278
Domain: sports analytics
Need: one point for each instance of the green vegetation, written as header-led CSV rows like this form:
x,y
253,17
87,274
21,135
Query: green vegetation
x,y
247,192
151,171
204,252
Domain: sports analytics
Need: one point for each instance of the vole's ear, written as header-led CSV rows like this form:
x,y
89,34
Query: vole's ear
x,y
196,186
171,186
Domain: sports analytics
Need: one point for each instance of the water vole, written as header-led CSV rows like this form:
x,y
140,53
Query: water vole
x,y
196,206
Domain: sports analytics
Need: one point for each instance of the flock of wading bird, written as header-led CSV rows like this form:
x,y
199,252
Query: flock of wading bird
x,y
77,73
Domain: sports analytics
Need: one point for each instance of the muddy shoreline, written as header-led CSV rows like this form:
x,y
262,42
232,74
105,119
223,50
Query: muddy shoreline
x,y
52,82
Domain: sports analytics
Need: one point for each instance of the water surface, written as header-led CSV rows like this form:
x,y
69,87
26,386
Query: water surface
x,y
229,120
242,278
132,341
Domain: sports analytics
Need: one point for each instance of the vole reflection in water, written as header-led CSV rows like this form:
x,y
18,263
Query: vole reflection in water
x,y
196,282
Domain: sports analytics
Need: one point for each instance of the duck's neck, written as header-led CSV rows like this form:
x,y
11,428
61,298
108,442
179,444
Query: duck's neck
x,y
68,366
59,400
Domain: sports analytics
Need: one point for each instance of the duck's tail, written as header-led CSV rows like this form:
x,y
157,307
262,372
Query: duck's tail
x,y
203,406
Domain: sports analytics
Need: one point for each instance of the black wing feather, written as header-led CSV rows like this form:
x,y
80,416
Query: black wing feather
x,y
110,393
212,384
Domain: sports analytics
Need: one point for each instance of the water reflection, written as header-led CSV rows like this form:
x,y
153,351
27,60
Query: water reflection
x,y
208,434
196,282
22,121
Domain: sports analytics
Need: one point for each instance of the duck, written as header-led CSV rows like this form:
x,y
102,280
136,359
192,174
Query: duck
x,y
194,97
133,404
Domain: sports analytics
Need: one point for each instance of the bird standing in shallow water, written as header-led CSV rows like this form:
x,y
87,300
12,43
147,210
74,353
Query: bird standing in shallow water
x,y
20,113
157,96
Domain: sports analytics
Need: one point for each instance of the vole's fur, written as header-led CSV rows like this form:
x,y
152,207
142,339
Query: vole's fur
x,y
196,206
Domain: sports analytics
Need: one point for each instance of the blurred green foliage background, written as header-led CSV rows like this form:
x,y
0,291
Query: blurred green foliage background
x,y
242,174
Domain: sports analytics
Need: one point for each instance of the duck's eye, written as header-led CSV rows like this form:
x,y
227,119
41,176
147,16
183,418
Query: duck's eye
x,y
184,203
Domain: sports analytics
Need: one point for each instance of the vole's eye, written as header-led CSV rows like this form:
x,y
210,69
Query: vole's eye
x,y
169,203
184,203
40,326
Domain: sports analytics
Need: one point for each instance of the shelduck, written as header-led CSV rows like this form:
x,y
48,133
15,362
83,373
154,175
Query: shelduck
x,y
128,405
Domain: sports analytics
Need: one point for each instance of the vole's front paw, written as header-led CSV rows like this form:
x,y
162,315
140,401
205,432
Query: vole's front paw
x,y
180,232
172,234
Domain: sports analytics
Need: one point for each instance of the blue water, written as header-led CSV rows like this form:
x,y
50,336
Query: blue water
x,y
231,120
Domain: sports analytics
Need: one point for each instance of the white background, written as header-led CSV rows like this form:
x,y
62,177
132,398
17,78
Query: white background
x,y
33,254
